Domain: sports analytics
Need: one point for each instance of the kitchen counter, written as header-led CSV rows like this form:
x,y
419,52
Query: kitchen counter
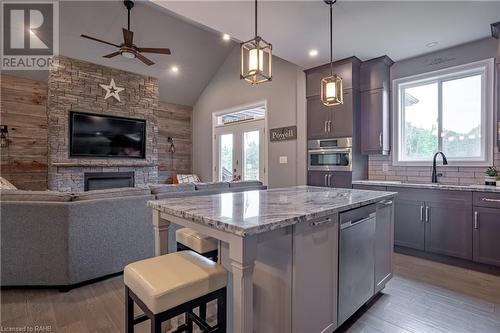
x,y
255,212
430,186
281,249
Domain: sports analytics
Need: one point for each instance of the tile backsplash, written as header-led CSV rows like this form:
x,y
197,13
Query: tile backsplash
x,y
381,168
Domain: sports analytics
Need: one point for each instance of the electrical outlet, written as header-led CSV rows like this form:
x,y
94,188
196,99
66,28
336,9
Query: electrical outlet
x,y
385,167
283,159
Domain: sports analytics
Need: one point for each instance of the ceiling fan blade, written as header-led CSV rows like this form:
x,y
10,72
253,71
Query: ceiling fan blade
x,y
99,40
144,59
128,37
154,50
111,55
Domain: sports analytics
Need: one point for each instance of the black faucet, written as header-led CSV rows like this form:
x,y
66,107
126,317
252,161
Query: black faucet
x,y
445,162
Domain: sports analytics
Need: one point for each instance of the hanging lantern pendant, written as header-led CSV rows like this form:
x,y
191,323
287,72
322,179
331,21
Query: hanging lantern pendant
x,y
256,58
332,91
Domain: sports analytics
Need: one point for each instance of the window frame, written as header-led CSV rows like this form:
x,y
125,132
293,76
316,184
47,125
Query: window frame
x,y
485,68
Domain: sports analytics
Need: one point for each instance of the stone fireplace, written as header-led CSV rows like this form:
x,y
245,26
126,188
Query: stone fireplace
x,y
73,85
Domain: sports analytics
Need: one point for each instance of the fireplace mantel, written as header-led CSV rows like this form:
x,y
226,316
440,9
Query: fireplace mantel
x,y
102,163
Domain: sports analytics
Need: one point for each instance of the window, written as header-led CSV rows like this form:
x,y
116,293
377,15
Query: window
x,y
449,110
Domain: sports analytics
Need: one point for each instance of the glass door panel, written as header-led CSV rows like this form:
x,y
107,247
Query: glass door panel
x,y
226,157
251,155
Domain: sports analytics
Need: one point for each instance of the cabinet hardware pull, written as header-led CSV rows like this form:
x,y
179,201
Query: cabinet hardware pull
x,y
476,219
329,126
317,223
380,139
326,180
422,213
326,126
386,202
427,213
329,180
490,200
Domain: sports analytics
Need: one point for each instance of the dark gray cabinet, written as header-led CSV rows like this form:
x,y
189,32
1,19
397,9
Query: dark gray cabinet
x,y
486,235
409,229
486,228
347,69
375,105
384,243
339,179
448,227
330,121
434,221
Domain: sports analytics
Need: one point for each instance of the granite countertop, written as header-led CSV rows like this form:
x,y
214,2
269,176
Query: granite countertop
x,y
254,212
469,188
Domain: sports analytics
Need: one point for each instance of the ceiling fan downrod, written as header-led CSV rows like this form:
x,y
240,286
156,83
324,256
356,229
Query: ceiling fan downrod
x,y
129,5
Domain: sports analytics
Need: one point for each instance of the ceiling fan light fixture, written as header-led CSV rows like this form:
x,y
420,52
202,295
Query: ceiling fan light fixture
x,y
256,58
332,91
128,54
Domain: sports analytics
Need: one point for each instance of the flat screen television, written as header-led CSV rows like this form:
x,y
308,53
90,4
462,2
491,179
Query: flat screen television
x,y
94,135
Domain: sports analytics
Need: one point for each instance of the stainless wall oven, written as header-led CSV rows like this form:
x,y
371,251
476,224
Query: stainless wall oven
x,y
329,154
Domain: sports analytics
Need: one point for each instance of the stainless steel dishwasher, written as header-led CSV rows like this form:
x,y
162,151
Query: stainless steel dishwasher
x,y
356,260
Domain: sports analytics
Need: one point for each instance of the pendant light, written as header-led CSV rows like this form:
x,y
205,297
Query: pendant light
x,y
331,87
256,58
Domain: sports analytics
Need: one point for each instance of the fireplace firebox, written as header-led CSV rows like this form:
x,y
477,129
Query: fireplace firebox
x,y
107,180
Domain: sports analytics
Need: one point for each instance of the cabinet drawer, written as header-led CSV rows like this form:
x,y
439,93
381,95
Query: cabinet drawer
x,y
485,199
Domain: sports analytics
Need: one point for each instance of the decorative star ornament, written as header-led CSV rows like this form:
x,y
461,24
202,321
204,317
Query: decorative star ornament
x,y
112,90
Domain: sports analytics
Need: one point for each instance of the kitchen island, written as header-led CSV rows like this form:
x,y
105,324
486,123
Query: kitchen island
x,y
281,247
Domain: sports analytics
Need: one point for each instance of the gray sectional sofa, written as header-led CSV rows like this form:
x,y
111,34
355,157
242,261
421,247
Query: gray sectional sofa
x,y
64,239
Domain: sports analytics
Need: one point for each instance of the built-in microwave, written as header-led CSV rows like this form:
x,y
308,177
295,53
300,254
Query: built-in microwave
x,y
329,154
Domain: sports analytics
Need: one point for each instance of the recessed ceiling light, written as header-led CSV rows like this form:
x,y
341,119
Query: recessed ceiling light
x,y
174,69
226,37
313,53
431,44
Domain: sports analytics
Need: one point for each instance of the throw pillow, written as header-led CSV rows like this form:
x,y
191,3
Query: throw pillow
x,y
6,185
187,179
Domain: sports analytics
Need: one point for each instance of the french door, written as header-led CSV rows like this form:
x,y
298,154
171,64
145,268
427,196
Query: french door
x,y
239,151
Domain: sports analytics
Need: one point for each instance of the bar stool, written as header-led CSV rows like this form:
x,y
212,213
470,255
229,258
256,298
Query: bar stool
x,y
189,239
173,284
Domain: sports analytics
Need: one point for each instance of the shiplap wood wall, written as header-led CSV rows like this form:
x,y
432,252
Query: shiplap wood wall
x,y
174,121
24,111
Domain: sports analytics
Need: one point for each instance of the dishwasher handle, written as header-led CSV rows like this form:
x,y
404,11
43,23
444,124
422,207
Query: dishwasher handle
x,y
353,223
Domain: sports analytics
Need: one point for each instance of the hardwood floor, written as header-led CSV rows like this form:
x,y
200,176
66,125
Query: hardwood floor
x,y
423,296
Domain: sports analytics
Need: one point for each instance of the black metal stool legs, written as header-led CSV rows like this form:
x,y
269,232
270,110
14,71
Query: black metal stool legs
x,y
186,308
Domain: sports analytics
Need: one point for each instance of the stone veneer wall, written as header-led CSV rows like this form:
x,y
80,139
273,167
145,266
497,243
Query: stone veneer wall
x,y
73,85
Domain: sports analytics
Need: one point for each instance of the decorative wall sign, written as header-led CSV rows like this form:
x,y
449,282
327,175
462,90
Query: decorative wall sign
x,y
283,133
112,90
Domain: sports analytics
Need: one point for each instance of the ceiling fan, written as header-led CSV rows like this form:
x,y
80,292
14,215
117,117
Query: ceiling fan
x,y
128,49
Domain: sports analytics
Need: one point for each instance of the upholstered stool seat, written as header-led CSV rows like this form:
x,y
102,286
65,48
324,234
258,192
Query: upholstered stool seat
x,y
189,239
173,284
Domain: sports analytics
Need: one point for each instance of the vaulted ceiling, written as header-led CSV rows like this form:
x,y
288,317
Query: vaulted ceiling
x,y
197,52
366,29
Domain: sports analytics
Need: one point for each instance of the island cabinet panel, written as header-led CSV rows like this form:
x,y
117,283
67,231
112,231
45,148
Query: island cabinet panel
x,y
384,243
448,227
486,235
315,277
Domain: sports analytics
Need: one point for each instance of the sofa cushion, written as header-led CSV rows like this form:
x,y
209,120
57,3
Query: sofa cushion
x,y
20,195
6,185
168,188
211,186
111,193
245,183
